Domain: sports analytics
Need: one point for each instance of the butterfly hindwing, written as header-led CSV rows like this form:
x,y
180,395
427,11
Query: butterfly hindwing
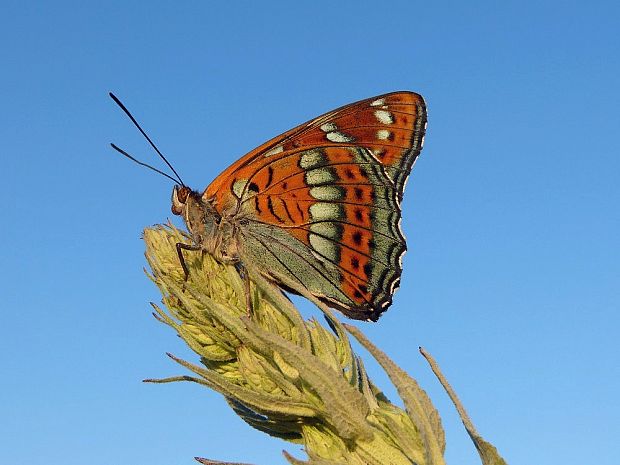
x,y
341,208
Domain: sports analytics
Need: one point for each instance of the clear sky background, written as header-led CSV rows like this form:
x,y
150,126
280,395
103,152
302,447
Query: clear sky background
x,y
512,279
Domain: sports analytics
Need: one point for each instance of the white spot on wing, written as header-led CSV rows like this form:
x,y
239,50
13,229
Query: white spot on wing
x,y
400,259
325,229
324,247
378,102
383,134
328,127
274,151
238,187
384,116
311,159
395,285
326,193
405,182
319,176
400,228
336,136
325,211
423,135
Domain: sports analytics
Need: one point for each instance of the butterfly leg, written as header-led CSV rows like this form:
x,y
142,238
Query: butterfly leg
x,y
180,247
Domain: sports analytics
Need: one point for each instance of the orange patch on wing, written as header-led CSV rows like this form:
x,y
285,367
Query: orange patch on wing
x,y
351,174
359,215
357,238
387,155
400,137
406,98
339,155
356,289
360,194
403,120
289,186
354,263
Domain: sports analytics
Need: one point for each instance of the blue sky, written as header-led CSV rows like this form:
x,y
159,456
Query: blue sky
x,y
512,279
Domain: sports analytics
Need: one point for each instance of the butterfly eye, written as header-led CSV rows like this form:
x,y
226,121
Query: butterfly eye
x,y
179,199
183,193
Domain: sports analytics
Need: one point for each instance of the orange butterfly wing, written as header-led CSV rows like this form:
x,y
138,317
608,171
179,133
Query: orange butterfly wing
x,y
334,185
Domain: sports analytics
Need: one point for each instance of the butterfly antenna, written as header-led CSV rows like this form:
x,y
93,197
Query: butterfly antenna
x,y
133,120
122,152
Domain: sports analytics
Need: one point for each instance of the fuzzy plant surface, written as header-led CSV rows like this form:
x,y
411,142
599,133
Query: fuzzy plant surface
x,y
293,379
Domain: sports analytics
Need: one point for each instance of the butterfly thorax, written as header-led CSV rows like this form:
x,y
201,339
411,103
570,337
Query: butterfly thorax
x,y
209,230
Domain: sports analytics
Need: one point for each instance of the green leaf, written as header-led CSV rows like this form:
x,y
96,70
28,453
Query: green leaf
x,y
417,403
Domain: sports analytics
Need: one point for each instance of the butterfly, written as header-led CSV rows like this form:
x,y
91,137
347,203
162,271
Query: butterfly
x,y
317,209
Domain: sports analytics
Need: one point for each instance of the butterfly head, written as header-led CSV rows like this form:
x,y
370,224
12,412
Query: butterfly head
x,y
180,196
200,216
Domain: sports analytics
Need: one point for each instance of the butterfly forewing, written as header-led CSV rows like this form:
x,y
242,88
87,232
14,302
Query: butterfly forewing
x,y
321,202
391,126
